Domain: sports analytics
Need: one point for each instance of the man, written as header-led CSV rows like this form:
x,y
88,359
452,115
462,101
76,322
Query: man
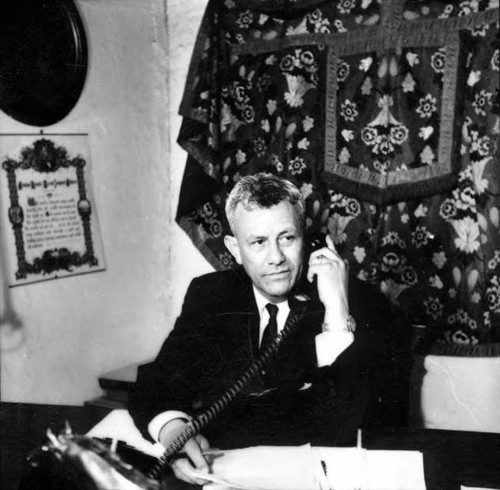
x,y
318,388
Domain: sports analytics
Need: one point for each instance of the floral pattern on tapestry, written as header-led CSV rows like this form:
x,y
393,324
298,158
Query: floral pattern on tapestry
x,y
386,116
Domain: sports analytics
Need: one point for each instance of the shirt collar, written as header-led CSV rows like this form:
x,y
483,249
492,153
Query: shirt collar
x,y
262,301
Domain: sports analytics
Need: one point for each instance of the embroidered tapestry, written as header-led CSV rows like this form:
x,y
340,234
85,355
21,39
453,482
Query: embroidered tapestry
x,y
385,115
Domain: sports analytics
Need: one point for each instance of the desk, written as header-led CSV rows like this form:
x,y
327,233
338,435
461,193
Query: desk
x,y
451,458
23,427
116,386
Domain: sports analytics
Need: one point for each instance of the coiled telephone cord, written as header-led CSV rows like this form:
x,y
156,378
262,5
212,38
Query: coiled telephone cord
x,y
203,419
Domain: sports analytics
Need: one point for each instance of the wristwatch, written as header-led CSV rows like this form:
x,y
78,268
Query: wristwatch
x,y
350,324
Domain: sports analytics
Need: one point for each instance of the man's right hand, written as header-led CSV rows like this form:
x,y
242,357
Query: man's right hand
x,y
185,468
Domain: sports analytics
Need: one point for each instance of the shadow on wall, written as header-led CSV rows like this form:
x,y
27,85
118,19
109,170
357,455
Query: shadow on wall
x,y
11,331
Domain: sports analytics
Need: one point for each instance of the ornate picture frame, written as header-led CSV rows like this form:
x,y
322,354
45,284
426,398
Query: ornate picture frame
x,y
47,203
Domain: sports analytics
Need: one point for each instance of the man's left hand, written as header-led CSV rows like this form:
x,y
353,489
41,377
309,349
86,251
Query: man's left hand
x,y
332,275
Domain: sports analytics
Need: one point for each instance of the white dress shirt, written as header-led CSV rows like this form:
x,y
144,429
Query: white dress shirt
x,y
329,345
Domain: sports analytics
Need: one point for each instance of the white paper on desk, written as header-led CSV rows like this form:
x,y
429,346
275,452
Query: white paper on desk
x,y
266,468
215,483
353,468
463,487
119,425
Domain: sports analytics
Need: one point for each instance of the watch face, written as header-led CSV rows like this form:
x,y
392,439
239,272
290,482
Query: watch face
x,y
43,59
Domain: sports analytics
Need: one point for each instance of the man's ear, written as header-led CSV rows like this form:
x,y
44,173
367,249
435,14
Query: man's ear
x,y
232,245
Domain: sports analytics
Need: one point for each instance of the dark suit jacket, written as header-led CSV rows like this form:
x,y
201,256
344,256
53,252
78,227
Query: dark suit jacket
x,y
216,338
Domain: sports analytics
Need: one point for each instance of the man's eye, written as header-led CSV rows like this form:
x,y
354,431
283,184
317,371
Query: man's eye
x,y
258,242
288,238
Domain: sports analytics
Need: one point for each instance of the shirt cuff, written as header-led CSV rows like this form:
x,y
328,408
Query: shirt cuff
x,y
329,346
156,425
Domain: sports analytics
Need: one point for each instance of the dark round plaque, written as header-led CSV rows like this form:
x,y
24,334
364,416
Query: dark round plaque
x,y
43,59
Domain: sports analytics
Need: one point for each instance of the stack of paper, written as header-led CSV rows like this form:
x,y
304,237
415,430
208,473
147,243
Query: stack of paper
x,y
306,468
118,425
265,467
289,468
356,468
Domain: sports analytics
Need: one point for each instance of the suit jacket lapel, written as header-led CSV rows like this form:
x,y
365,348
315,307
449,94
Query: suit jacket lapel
x,y
242,313
253,319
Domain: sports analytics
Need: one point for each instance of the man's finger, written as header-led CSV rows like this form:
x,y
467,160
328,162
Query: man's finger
x,y
184,471
329,243
202,442
193,451
311,273
325,253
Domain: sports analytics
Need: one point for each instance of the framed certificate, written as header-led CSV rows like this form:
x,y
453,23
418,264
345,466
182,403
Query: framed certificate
x,y
48,218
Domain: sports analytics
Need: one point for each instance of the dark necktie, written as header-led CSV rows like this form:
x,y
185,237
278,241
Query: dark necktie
x,y
271,330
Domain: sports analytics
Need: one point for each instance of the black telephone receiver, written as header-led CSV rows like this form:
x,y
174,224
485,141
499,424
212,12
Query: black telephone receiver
x,y
313,241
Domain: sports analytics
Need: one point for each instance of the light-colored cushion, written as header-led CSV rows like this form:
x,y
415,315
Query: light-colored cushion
x,y
456,393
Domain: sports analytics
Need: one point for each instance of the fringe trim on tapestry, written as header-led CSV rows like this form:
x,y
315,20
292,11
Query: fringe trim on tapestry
x,y
392,194
458,350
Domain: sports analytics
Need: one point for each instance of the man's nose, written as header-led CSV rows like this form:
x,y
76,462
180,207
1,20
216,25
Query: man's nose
x,y
275,254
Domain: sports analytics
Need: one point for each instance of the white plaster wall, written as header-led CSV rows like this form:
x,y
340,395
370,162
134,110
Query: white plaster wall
x,y
183,22
73,329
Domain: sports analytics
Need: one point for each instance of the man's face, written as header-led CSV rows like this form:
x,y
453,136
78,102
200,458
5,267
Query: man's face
x,y
269,245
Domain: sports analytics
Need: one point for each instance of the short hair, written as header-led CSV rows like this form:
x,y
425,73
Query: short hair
x,y
264,190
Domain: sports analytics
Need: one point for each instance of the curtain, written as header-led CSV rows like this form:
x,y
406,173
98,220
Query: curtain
x,y
385,115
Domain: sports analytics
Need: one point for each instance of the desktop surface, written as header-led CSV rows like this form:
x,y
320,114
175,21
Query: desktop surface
x,y
22,430
451,458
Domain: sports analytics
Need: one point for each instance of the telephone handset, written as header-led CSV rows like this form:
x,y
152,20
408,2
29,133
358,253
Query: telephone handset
x,y
313,242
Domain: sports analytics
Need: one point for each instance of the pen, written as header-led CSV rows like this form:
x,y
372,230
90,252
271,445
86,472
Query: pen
x,y
211,453
359,448
114,444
